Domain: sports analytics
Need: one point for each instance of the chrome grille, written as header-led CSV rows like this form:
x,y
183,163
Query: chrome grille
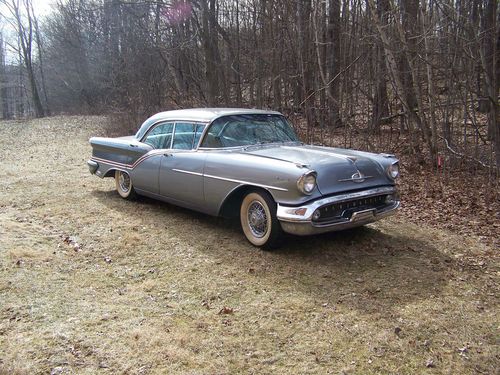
x,y
344,210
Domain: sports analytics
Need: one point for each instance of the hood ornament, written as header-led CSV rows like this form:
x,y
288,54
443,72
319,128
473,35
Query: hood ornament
x,y
356,177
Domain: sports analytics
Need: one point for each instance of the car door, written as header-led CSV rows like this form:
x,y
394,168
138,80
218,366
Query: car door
x,y
146,172
181,170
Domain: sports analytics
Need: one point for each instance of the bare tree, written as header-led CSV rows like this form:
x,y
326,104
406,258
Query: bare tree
x,y
380,99
333,61
24,21
6,113
408,74
489,60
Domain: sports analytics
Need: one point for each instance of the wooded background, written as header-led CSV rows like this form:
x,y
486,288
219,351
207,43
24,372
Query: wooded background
x,y
418,77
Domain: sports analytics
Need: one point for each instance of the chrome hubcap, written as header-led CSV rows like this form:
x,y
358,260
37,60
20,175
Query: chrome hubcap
x,y
257,219
124,181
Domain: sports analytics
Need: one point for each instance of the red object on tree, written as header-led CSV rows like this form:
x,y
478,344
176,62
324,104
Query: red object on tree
x,y
439,161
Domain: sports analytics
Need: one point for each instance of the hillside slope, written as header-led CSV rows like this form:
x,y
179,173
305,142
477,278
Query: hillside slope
x,y
90,283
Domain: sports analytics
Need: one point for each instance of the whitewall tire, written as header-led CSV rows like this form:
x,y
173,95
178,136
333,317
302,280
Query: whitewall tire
x,y
258,220
124,185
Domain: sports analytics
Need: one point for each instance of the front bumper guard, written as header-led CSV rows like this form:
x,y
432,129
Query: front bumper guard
x,y
298,220
92,166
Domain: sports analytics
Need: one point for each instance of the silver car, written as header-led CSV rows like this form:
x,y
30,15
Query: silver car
x,y
249,164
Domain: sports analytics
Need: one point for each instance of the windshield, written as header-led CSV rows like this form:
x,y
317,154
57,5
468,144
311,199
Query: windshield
x,y
244,130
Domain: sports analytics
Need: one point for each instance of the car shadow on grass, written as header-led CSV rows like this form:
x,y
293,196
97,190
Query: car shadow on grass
x,y
374,269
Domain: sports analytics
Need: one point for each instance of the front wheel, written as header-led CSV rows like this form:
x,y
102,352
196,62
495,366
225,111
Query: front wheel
x,y
259,222
124,185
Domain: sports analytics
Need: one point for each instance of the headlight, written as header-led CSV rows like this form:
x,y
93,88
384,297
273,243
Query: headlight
x,y
393,171
307,182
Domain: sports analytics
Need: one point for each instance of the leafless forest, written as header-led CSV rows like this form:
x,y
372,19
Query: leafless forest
x,y
416,77
90,283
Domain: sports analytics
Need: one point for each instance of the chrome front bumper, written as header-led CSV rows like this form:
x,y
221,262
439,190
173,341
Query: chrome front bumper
x,y
298,220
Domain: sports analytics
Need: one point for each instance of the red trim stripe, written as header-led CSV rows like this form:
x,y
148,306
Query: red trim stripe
x,y
127,166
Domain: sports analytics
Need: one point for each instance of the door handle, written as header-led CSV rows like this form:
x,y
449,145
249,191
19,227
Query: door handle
x,y
133,145
167,154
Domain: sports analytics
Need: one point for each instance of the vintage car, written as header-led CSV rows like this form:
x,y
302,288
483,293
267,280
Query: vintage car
x,y
249,164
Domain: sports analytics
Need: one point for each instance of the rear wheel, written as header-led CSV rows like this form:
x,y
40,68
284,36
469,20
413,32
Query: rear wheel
x,y
258,220
124,185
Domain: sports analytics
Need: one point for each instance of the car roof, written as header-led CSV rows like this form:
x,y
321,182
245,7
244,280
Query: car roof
x,y
206,114
198,115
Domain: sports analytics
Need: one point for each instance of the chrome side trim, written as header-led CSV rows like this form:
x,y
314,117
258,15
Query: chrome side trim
x,y
129,166
246,182
230,180
288,214
187,172
111,163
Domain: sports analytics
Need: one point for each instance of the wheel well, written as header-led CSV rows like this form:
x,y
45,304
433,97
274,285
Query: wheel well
x,y
231,206
110,173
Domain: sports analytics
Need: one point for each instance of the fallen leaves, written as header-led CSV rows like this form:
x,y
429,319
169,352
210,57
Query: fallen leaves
x,y
71,241
463,203
463,351
430,363
57,370
397,331
226,310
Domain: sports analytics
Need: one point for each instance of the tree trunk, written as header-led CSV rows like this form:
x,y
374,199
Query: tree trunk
x,y
392,67
25,34
334,62
237,68
380,107
40,58
489,61
305,47
208,41
6,113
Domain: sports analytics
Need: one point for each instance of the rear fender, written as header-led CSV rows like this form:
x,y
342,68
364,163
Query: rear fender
x,y
112,154
124,151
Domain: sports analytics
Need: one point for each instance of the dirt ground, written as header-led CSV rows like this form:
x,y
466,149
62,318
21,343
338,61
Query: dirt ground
x,y
90,283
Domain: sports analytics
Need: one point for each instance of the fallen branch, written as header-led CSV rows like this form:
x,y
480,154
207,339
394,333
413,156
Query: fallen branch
x,y
463,155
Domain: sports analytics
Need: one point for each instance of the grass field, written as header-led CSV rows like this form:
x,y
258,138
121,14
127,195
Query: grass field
x,y
90,283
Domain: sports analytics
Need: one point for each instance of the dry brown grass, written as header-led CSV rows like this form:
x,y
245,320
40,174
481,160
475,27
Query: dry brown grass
x,y
145,292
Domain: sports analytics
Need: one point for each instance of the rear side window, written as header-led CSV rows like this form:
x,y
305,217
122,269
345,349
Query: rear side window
x,y
184,135
161,136
187,135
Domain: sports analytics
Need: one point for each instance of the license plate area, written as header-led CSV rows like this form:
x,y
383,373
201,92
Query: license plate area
x,y
362,215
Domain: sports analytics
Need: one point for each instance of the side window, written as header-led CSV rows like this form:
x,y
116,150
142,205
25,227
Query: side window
x,y
212,138
197,134
160,136
184,135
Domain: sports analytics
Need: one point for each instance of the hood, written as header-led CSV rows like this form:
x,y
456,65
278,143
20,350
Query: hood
x,y
337,169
